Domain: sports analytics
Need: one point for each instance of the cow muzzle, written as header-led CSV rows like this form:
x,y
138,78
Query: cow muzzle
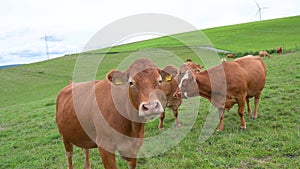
x,y
152,108
185,95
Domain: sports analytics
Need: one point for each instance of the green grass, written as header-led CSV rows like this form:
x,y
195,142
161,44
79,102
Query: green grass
x,y
247,37
29,137
256,36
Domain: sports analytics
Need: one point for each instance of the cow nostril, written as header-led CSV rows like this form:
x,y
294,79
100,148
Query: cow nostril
x,y
144,107
150,106
156,105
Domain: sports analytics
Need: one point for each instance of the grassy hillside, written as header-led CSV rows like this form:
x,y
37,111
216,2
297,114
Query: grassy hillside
x,y
29,137
44,79
254,36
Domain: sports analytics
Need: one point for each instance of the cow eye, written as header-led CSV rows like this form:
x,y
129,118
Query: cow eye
x,y
157,83
131,83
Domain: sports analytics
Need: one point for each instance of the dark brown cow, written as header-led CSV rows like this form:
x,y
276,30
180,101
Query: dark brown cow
x,y
110,114
227,84
173,95
279,50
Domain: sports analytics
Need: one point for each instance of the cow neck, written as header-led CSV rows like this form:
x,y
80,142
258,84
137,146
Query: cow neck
x,y
132,127
137,129
204,85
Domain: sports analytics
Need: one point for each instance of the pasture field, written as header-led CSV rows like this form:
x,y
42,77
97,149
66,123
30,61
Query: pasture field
x,y
246,37
29,137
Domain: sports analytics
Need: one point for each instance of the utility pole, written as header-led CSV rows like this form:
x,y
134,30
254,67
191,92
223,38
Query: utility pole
x,y
46,43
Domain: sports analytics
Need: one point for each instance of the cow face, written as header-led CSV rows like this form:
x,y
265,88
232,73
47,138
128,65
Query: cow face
x,y
170,85
195,68
143,88
187,81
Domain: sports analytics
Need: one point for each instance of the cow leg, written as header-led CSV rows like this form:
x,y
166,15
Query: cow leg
x,y
131,162
69,152
161,121
221,116
241,107
87,164
256,102
175,112
248,106
108,159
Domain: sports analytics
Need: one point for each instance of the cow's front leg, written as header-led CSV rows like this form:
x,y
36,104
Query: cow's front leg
x,y
87,164
130,155
161,121
108,159
175,112
131,162
221,116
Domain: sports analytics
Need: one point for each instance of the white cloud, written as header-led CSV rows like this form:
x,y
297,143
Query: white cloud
x,y
74,22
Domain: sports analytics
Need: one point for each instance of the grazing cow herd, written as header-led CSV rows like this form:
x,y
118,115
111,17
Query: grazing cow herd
x,y
110,114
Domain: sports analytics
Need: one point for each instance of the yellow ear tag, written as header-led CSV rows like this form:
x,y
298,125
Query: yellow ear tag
x,y
168,78
118,82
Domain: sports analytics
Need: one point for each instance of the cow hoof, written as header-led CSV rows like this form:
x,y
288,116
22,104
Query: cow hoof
x,y
160,129
179,125
243,128
254,118
219,130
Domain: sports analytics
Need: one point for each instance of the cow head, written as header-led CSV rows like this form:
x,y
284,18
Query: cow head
x,y
142,80
187,80
170,84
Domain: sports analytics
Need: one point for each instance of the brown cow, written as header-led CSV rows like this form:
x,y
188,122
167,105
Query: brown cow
x,y
264,54
173,95
227,84
223,60
110,114
194,67
230,55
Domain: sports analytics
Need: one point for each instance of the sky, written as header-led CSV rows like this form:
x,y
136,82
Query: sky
x,y
69,24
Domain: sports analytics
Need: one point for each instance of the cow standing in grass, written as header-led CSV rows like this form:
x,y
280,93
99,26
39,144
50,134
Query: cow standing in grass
x,y
226,84
264,54
110,114
230,55
173,95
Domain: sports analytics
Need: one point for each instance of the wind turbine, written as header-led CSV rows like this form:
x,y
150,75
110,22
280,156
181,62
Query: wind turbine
x,y
259,10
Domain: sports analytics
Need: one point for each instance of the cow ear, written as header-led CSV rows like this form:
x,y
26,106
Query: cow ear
x,y
172,70
168,74
117,77
166,77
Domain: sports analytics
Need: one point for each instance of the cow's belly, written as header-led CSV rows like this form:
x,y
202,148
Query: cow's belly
x,y
252,93
229,103
71,131
79,138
